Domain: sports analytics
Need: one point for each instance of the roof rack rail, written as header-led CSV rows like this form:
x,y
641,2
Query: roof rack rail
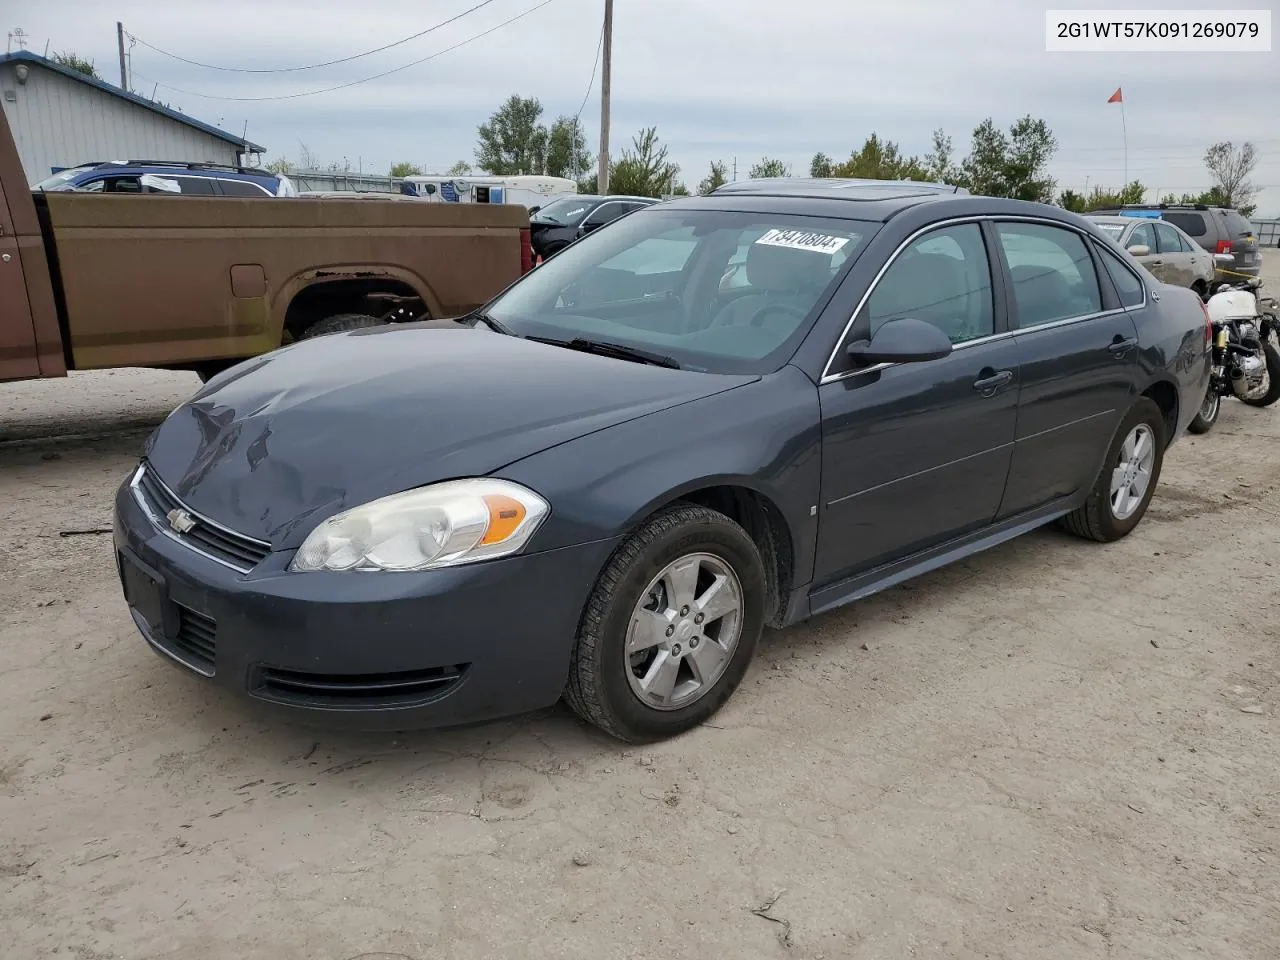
x,y
196,165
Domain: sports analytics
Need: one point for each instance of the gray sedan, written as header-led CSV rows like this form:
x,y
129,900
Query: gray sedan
x,y
1162,248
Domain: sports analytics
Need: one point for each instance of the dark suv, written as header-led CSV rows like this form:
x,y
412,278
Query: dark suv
x,y
169,176
1223,232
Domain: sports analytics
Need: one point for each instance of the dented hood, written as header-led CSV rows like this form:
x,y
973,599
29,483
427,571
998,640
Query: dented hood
x,y
279,443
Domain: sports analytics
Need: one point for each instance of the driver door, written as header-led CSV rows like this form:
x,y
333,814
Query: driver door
x,y
916,454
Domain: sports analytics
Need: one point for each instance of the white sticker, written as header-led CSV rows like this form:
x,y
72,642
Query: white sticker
x,y
803,240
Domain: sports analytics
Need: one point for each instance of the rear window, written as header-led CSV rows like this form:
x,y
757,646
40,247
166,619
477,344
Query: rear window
x,y
1237,225
1192,224
662,280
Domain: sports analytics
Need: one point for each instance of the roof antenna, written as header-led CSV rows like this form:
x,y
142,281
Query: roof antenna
x,y
19,36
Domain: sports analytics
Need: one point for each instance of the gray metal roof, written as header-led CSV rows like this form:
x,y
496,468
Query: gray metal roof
x,y
26,56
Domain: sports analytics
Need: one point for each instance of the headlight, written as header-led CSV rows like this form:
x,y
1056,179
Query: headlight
x,y
443,525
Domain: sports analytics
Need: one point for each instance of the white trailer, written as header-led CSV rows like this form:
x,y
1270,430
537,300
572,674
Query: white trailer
x,y
529,191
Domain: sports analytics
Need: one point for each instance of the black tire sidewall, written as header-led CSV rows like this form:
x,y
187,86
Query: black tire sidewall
x,y
729,543
1272,357
1144,411
1202,424
340,323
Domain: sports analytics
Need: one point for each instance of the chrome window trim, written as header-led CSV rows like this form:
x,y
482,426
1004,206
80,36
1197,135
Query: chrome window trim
x,y
993,218
163,526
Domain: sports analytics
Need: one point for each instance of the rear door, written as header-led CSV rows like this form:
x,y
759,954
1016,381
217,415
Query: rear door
x,y
1079,357
1178,266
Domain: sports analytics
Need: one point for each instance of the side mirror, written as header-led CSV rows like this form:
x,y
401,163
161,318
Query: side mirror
x,y
905,340
588,226
1139,250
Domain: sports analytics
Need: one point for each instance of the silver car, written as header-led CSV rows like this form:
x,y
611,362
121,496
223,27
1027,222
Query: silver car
x,y
1163,249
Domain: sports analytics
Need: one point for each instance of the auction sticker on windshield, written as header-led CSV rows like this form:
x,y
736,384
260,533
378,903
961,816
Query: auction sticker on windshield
x,y
803,240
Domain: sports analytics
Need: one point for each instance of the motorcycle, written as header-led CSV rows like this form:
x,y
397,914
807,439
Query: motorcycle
x,y
1246,350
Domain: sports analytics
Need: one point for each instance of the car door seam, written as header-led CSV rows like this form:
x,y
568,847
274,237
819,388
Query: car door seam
x,y
921,473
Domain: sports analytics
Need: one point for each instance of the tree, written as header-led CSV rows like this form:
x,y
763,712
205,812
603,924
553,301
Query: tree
x,y
938,165
459,169
769,167
1011,165
717,177
73,61
279,166
879,160
513,141
405,169
1100,198
643,169
821,165
1231,170
567,153
1070,200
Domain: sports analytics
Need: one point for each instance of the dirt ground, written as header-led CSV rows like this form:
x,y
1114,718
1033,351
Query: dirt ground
x,y
1052,750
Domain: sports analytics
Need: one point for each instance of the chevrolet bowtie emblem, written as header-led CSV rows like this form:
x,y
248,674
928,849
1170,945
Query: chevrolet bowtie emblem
x,y
180,520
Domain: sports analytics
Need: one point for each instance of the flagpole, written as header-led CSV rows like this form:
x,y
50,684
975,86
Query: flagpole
x,y
1124,129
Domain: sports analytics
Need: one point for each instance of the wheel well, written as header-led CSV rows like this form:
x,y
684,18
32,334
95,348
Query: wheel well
x,y
1165,396
765,524
1200,287
374,296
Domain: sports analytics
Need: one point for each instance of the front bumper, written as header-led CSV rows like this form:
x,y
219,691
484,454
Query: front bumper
x,y
379,651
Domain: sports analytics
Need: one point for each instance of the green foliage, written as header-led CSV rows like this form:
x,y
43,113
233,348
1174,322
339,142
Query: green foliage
x,y
878,160
513,142
821,165
717,177
1070,200
643,169
279,166
567,151
459,169
769,167
1231,169
405,169
73,61
937,164
1011,165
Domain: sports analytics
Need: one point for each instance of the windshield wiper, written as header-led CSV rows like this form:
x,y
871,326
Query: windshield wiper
x,y
606,349
492,323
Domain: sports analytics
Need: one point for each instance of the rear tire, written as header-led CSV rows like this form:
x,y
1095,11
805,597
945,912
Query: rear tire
x,y
1110,513
1272,356
340,323
640,619
1209,410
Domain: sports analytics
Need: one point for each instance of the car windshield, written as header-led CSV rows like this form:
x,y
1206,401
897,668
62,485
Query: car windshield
x,y
60,180
567,211
1112,230
718,291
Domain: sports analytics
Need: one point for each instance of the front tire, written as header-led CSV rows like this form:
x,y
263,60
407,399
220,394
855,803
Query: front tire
x,y
1204,420
340,323
670,627
1127,481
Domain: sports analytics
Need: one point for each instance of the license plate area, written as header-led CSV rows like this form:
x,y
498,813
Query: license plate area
x,y
146,593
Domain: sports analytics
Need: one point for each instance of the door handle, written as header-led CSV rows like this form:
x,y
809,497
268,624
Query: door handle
x,y
988,386
1156,263
1120,347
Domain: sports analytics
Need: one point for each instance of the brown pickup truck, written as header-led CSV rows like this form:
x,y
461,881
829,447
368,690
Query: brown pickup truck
x,y
194,283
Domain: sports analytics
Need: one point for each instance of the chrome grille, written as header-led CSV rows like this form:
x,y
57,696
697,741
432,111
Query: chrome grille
x,y
188,527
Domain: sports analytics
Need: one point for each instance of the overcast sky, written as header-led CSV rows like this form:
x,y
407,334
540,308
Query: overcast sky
x,y
720,79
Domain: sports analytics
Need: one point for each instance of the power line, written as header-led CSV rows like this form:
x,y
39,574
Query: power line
x,y
314,66
595,66
350,83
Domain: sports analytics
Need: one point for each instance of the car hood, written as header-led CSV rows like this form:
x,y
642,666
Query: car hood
x,y
277,444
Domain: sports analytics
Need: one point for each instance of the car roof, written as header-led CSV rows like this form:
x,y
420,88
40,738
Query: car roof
x,y
1114,218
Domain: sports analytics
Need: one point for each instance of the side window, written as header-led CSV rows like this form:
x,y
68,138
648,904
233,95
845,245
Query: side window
x,y
1053,275
123,185
93,186
603,214
195,186
1143,236
1168,239
1192,224
1127,283
943,278
240,188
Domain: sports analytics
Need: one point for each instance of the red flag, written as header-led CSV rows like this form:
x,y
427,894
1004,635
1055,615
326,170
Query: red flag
x,y
1116,97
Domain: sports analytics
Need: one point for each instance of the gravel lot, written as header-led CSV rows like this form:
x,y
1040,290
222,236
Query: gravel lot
x,y
1053,750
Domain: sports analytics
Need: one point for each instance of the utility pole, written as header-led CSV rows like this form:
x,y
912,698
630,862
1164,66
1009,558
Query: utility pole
x,y
606,66
124,78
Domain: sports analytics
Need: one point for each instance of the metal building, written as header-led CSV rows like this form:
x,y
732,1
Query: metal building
x,y
61,118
